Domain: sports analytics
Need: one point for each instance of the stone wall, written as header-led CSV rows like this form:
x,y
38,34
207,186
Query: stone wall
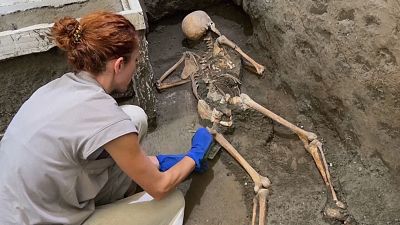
x,y
144,85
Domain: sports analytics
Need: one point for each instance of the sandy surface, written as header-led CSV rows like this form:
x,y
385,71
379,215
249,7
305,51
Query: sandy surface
x,y
224,194
298,192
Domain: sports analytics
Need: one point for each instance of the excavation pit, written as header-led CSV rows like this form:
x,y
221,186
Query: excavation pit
x,y
331,69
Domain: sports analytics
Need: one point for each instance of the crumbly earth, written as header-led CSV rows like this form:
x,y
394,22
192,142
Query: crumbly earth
x,y
332,69
298,192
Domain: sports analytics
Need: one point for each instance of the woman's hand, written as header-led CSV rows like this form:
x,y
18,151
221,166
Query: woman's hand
x,y
201,142
128,155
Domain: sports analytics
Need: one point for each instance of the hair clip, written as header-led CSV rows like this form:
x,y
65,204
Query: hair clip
x,y
77,34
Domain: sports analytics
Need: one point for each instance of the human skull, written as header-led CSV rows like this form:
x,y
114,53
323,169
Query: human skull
x,y
196,24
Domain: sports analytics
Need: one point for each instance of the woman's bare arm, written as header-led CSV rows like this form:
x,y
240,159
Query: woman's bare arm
x,y
128,155
154,160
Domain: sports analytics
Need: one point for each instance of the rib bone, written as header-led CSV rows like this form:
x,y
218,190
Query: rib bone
x,y
259,181
224,40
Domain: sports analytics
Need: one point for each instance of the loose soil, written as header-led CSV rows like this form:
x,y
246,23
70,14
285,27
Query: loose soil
x,y
224,194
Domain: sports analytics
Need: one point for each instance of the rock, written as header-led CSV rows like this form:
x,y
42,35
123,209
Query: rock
x,y
156,9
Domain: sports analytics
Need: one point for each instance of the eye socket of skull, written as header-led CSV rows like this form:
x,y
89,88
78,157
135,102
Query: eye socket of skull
x,y
196,24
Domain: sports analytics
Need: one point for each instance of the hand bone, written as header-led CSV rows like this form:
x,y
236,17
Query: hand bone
x,y
213,115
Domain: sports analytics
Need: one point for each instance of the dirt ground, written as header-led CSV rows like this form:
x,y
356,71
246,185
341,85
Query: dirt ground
x,y
224,194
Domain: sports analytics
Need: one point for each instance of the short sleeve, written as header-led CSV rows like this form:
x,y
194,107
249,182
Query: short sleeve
x,y
106,135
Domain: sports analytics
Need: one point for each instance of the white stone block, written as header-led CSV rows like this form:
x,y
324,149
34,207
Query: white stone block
x,y
34,38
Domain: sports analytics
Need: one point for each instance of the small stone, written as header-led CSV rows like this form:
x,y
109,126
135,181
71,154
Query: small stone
x,y
245,183
293,165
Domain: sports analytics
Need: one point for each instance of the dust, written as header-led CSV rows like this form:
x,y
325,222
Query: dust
x,y
298,194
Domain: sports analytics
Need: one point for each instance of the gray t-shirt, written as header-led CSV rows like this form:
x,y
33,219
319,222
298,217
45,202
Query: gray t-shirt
x,y
46,173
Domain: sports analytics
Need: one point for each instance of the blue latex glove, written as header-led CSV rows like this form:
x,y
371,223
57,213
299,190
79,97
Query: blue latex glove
x,y
168,161
201,142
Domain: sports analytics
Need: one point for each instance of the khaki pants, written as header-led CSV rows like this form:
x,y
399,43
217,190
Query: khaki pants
x,y
141,209
138,209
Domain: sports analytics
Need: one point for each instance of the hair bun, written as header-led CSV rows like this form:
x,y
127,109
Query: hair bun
x,y
66,33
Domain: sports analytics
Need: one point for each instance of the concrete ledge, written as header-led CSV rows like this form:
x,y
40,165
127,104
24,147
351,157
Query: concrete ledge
x,y
34,38
11,6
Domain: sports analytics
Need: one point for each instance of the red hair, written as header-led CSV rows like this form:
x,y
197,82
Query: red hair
x,y
95,39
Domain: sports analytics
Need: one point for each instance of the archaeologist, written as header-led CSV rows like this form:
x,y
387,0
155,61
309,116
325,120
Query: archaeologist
x,y
70,153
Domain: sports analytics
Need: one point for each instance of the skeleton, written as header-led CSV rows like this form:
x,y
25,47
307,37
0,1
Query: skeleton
x,y
216,85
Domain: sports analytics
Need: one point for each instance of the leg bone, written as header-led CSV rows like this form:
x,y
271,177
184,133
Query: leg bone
x,y
262,199
224,40
259,181
245,99
312,145
255,204
315,149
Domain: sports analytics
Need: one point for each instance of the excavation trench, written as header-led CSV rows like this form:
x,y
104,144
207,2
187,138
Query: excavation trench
x,y
332,68
367,183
